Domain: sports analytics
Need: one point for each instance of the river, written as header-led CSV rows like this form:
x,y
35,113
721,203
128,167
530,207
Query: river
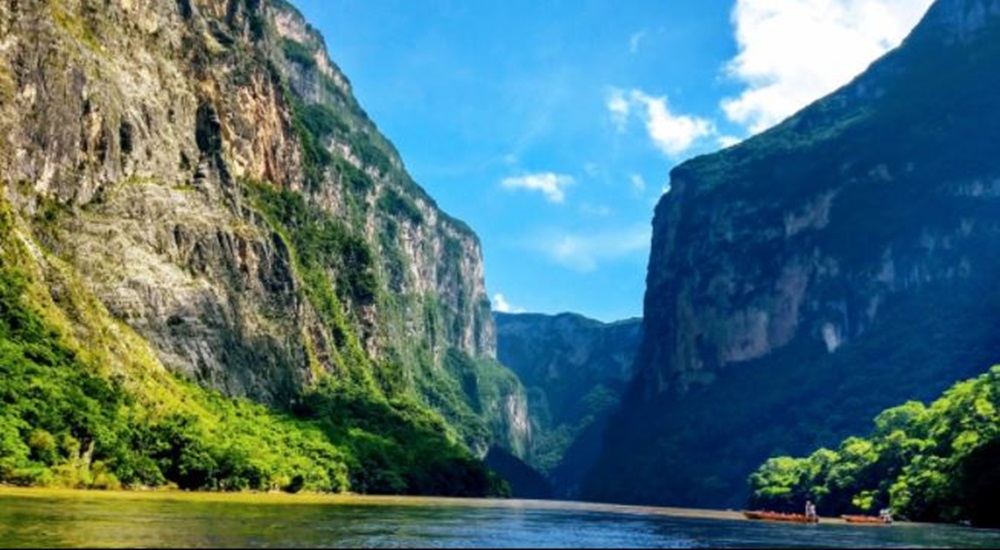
x,y
45,518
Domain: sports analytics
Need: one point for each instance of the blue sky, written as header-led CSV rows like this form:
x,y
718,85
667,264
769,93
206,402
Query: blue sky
x,y
550,127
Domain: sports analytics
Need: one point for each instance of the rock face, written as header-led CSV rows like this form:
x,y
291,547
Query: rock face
x,y
804,280
575,370
156,148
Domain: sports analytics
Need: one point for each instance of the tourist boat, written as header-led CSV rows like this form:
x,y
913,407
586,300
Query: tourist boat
x,y
866,519
779,516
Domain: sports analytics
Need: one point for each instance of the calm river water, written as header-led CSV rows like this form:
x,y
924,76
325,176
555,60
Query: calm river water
x,y
75,519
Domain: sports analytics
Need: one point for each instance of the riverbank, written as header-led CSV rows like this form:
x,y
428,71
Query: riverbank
x,y
305,498
277,497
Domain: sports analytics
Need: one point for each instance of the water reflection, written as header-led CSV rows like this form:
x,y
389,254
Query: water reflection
x,y
87,520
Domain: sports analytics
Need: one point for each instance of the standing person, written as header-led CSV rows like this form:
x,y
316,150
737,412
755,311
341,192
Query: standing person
x,y
885,515
811,511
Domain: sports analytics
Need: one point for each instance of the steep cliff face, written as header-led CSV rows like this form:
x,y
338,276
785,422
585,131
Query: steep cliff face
x,y
203,168
807,278
425,252
575,370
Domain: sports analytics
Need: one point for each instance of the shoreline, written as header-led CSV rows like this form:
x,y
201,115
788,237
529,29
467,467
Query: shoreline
x,y
278,497
354,499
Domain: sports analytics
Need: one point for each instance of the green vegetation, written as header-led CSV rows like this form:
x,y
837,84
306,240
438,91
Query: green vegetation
x,y
937,463
485,385
400,445
316,158
76,25
354,180
321,120
551,446
370,154
256,21
71,420
316,123
63,424
399,206
298,53
575,370
321,244
469,392
86,403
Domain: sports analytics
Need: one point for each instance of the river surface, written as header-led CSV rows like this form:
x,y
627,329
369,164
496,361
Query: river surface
x,y
41,518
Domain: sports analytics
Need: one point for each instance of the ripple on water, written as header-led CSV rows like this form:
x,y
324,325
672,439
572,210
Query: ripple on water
x,y
76,519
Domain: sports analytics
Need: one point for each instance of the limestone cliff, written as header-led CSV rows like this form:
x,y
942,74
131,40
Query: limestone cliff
x,y
574,370
204,169
813,275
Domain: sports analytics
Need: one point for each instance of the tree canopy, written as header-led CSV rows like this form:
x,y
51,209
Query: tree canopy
x,y
928,463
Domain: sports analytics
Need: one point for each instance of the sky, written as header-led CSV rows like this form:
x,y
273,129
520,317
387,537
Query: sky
x,y
551,127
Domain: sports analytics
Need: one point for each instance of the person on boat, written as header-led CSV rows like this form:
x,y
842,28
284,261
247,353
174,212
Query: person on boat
x,y
885,514
811,510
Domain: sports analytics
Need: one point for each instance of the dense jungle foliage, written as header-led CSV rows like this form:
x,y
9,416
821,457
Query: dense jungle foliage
x,y
927,463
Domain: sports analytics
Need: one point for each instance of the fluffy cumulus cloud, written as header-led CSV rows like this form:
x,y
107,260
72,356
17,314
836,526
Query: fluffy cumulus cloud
x,y
501,304
792,52
549,184
585,252
673,134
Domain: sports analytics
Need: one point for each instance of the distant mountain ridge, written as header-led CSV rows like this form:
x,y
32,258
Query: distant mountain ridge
x,y
802,281
574,370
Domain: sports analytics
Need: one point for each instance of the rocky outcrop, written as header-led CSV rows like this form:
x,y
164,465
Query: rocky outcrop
x,y
815,274
574,370
146,144
442,256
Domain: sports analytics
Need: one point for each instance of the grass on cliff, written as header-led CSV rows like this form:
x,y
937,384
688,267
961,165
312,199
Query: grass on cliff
x,y
340,276
105,414
65,423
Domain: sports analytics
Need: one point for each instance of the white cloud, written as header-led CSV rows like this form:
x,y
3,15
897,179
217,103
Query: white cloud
x,y
585,253
618,106
672,134
792,52
592,169
635,40
501,304
548,183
